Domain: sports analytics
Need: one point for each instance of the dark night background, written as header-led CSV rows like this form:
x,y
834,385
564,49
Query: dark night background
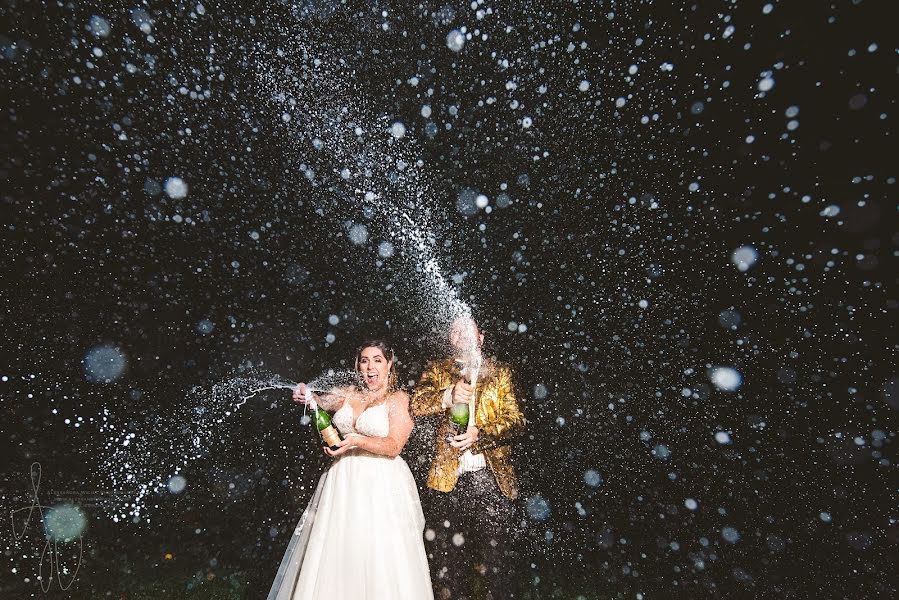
x,y
244,274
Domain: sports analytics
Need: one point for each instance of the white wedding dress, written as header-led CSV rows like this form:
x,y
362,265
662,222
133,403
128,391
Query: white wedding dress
x,y
360,537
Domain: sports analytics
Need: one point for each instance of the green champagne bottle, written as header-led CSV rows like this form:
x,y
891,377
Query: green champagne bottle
x,y
458,416
330,435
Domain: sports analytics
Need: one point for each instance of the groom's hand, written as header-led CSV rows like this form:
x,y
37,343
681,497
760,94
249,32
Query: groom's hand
x,y
462,392
464,441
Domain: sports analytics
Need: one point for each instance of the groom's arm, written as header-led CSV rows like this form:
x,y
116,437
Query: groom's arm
x,y
429,394
507,421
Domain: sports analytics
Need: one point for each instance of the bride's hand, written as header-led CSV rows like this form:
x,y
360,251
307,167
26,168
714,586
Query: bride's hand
x,y
465,440
344,446
299,394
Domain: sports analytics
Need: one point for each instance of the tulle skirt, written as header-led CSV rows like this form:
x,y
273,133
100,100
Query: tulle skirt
x,y
360,537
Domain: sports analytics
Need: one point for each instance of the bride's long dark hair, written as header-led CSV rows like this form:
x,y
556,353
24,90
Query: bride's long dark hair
x,y
387,351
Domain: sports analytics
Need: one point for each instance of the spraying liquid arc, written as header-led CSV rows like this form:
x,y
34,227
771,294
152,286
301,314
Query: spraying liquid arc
x,y
354,135
133,463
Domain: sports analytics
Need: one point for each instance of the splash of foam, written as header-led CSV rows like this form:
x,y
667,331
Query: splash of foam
x,y
133,462
312,97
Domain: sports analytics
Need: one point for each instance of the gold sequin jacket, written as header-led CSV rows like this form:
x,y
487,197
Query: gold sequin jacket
x,y
497,417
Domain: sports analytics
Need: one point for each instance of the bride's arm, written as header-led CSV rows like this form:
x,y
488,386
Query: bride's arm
x,y
398,432
333,399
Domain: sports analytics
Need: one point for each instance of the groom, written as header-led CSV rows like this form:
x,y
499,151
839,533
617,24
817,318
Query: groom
x,y
472,471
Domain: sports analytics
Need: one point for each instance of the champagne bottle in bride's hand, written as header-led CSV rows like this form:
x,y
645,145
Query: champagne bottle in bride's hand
x,y
329,434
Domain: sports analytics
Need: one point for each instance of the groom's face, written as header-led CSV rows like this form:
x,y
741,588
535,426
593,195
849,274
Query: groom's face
x,y
464,336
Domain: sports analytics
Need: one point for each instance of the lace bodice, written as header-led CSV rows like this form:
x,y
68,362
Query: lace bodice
x,y
373,421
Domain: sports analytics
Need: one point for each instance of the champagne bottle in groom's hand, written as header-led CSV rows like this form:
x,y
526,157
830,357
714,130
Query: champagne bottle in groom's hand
x,y
469,365
458,413
458,417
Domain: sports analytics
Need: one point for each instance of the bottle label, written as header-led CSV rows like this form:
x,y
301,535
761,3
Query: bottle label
x,y
330,435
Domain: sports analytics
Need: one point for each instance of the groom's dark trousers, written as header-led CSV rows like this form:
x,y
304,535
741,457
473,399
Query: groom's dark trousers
x,y
473,558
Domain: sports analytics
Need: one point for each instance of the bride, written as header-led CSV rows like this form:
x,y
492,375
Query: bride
x,y
360,537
